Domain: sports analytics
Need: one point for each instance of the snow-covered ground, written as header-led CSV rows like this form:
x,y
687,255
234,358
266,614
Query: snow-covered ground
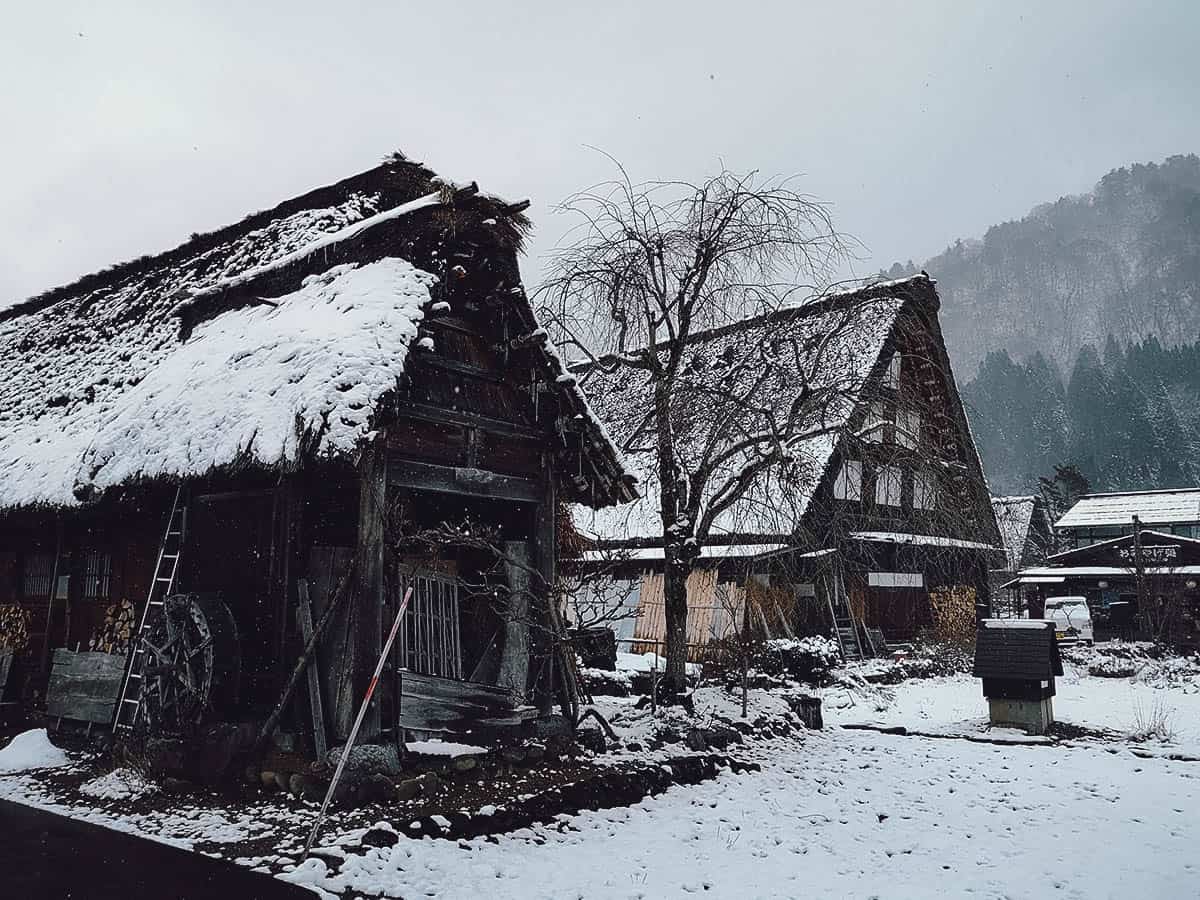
x,y
955,705
847,814
835,813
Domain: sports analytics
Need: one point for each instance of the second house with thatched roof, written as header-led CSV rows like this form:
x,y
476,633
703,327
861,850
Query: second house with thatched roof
x,y
876,528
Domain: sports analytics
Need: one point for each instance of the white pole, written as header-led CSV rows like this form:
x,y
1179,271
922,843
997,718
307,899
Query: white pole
x,y
362,713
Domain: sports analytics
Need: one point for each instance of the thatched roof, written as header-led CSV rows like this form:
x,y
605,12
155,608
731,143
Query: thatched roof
x,y
789,348
269,342
1015,517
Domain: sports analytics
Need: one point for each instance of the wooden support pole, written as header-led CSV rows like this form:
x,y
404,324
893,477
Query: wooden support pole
x,y
310,648
58,549
304,616
514,661
562,660
366,611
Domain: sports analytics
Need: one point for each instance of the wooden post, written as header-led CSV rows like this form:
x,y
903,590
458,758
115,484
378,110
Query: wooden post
x,y
332,602
304,615
288,505
1139,575
514,661
58,546
562,668
366,609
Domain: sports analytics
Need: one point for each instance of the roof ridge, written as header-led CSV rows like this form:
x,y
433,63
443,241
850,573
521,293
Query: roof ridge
x,y
1182,490
202,242
817,304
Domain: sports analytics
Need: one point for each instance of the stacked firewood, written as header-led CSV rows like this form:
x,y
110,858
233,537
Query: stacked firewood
x,y
116,631
953,610
14,628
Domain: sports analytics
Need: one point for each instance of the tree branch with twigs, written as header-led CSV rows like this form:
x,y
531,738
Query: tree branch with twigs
x,y
652,265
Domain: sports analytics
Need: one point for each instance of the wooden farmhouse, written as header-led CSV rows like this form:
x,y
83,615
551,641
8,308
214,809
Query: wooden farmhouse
x,y
1144,586
1101,517
282,427
881,529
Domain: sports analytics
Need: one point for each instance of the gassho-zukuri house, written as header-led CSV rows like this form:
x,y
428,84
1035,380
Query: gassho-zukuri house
x,y
321,406
887,533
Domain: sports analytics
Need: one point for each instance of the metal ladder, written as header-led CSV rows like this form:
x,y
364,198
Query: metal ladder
x,y
165,570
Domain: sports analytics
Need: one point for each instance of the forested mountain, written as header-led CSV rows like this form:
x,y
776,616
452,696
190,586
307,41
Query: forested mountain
x,y
1127,418
1123,260
1074,332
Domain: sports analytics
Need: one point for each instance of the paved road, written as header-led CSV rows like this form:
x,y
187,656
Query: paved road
x,y
43,855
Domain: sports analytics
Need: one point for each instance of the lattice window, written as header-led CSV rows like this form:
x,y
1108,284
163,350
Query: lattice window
x,y
97,574
873,431
39,569
430,639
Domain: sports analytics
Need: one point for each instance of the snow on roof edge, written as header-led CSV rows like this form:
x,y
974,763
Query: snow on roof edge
x,y
260,384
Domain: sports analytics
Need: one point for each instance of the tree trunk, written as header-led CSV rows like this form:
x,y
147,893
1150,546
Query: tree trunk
x,y
677,568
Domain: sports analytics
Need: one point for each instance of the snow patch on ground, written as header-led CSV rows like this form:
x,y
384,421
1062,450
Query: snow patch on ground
x,y
119,784
648,662
443,748
31,750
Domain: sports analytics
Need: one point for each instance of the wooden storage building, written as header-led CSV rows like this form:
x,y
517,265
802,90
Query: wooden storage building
x,y
350,389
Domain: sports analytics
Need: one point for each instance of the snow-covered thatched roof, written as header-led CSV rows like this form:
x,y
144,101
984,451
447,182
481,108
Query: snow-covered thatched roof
x,y
1013,517
833,343
267,343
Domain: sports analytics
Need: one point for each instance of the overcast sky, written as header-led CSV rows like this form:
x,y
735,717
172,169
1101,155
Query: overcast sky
x,y
128,127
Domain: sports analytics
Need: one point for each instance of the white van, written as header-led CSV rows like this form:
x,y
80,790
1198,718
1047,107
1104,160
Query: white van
x,y
1072,619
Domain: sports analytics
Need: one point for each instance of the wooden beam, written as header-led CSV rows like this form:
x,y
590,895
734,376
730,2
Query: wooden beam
x,y
452,323
460,480
372,509
439,415
233,495
453,365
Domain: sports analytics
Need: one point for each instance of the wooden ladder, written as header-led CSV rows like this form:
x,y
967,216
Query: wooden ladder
x,y
165,571
842,615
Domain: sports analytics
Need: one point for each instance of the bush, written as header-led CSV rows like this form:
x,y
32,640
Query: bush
x,y
807,659
1153,723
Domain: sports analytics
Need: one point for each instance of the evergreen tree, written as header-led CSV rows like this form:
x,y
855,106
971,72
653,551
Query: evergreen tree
x,y
1063,489
1048,423
1128,419
1088,402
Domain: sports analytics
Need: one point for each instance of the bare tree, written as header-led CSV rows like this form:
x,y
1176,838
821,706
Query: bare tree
x,y
654,264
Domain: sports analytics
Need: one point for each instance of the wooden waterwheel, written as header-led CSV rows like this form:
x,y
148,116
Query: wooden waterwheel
x,y
193,664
